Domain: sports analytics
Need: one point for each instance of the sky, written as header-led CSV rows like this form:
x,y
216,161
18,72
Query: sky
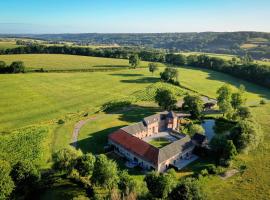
x,y
133,16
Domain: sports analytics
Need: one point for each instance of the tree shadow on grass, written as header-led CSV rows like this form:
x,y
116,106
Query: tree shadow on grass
x,y
127,75
111,66
96,141
134,113
263,92
142,80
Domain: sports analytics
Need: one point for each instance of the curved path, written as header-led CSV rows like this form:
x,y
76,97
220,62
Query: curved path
x,y
77,129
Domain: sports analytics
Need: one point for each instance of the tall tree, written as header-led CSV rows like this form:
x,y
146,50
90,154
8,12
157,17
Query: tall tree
x,y
193,104
65,159
165,98
229,150
105,172
160,185
85,164
25,176
244,113
126,183
134,60
17,67
246,135
187,189
170,74
238,98
152,67
3,67
224,100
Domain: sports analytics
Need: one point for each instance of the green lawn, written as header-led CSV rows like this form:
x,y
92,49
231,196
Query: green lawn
x,y
65,62
159,142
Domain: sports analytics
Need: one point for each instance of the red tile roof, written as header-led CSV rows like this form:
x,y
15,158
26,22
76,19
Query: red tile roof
x,y
135,145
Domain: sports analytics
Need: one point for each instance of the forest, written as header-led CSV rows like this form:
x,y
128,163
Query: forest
x,y
213,42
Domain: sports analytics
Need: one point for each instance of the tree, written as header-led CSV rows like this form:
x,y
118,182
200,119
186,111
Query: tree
x,y
194,105
238,98
195,128
244,113
176,59
134,60
165,98
105,172
65,159
85,164
160,185
3,67
188,189
229,150
224,100
126,183
246,135
6,182
170,74
153,67
17,67
223,149
25,176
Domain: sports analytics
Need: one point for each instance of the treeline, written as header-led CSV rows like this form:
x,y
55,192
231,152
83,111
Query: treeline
x,y
245,69
214,42
123,52
14,67
24,180
250,71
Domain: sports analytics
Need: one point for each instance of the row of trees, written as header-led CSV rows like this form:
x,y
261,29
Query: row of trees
x,y
246,69
114,52
14,67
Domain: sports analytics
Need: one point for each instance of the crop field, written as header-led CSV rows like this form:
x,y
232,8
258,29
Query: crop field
x,y
31,143
65,62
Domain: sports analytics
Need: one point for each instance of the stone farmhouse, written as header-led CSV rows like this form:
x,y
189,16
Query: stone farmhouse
x,y
132,142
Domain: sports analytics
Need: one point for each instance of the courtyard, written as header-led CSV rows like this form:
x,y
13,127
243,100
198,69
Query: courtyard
x,y
160,139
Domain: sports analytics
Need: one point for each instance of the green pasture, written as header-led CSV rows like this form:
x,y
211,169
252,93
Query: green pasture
x,y
65,62
43,98
223,56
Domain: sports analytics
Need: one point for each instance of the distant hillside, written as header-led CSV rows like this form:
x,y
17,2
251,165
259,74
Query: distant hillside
x,y
257,44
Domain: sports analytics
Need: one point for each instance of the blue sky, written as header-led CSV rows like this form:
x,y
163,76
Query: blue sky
x,y
129,16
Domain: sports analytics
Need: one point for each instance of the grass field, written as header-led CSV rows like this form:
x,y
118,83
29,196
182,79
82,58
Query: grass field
x,y
8,44
45,97
65,62
223,56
